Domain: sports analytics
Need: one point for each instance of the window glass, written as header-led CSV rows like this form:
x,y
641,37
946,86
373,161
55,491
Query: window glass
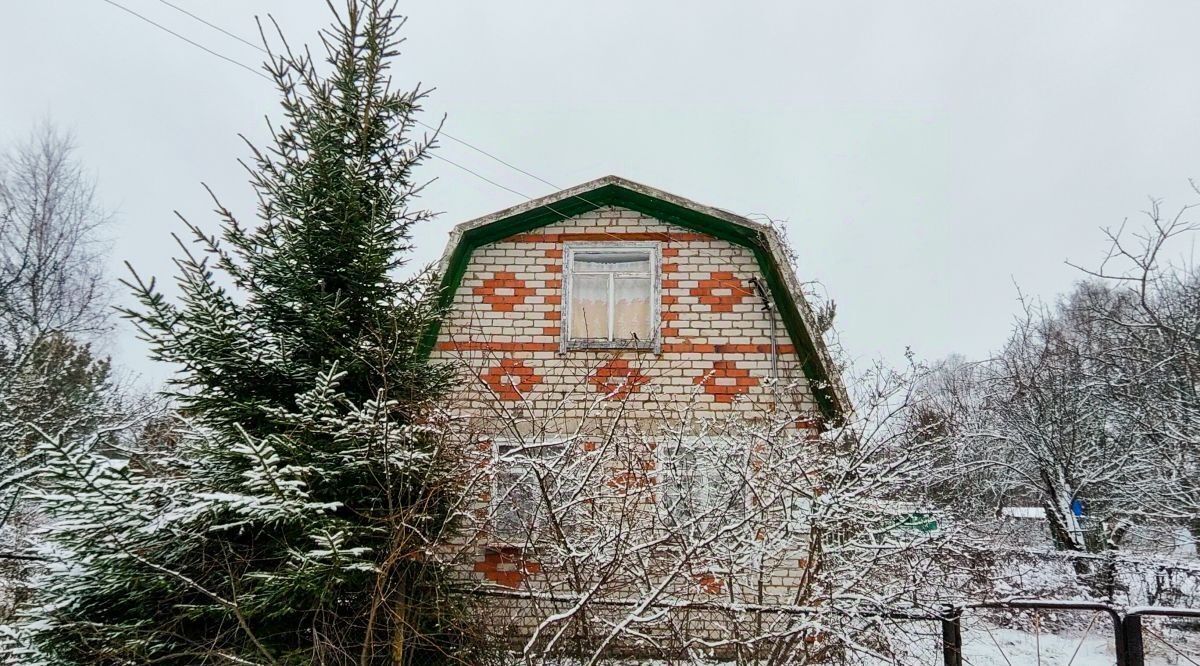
x,y
612,295
589,307
514,503
525,476
702,484
610,262
631,308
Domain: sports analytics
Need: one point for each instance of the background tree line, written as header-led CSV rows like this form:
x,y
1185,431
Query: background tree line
x,y
1090,410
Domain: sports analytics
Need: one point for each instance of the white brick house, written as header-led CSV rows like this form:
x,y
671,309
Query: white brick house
x,y
612,301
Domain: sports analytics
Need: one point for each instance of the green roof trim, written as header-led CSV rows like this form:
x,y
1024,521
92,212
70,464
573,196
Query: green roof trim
x,y
611,191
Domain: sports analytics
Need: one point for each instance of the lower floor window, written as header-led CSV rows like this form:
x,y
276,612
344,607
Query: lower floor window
x,y
699,484
527,487
703,483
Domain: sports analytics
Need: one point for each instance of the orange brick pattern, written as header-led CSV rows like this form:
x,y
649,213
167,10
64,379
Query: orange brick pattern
x,y
506,323
617,379
503,292
506,566
709,583
726,381
511,380
721,291
611,236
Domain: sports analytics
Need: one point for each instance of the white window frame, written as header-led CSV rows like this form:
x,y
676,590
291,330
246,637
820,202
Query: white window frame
x,y
500,459
654,344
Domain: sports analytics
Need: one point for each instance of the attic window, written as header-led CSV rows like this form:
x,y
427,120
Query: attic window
x,y
611,296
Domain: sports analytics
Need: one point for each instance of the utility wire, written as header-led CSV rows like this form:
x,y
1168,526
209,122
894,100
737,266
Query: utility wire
x,y
195,44
484,152
441,132
481,176
213,26
423,124
258,73
427,126
564,216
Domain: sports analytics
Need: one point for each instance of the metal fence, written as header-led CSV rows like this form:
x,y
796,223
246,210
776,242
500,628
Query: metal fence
x,y
950,635
1131,636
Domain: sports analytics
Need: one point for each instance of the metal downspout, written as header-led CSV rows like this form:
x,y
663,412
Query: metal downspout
x,y
770,309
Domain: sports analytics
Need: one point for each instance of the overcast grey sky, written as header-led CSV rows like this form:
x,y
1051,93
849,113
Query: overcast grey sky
x,y
927,156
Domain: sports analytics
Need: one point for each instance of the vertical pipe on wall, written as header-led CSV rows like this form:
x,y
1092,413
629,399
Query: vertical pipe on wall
x,y
770,310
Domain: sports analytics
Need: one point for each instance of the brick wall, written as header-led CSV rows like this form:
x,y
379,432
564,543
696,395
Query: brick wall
x,y
504,331
505,324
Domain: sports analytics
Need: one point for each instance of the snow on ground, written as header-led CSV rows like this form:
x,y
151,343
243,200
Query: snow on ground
x,y
991,646
1013,647
994,646
1005,647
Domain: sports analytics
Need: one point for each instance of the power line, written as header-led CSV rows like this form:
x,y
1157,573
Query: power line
x,y
195,44
484,152
423,124
480,176
258,73
213,26
505,187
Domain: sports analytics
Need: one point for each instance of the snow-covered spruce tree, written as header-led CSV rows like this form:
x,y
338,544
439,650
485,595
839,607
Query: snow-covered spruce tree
x,y
53,301
50,385
292,524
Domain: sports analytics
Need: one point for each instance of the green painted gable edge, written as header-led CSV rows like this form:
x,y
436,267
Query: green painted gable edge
x,y
611,194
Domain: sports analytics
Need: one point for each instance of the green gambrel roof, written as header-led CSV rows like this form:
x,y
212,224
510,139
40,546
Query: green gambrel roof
x,y
762,240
